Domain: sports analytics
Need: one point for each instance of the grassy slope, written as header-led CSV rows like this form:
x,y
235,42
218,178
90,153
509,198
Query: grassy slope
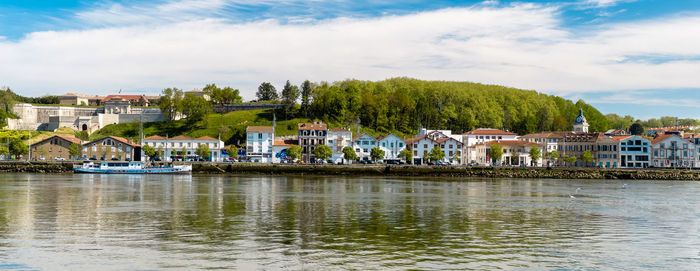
x,y
36,135
232,126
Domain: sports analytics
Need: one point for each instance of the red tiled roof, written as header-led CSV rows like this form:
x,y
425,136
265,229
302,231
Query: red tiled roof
x,y
181,137
155,137
206,138
284,143
125,141
544,135
441,140
339,130
313,126
67,138
414,139
488,131
509,143
660,138
259,129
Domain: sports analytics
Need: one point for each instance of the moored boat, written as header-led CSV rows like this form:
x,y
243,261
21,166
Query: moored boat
x,y
120,167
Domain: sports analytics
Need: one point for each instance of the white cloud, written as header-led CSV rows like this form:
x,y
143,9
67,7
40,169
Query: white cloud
x,y
522,45
605,3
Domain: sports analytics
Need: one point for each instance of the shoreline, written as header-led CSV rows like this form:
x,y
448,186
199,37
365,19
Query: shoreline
x,y
51,167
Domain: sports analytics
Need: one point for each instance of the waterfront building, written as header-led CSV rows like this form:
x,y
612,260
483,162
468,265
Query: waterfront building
x,y
482,135
112,148
363,145
184,147
259,143
392,145
338,139
672,151
580,124
575,144
515,152
311,135
635,151
423,144
551,140
279,150
54,147
606,152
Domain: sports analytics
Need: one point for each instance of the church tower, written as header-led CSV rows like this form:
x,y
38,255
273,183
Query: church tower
x,y
581,124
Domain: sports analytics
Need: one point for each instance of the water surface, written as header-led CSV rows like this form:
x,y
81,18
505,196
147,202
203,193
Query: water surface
x,y
81,222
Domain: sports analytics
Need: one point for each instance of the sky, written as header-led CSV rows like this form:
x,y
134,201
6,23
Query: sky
x,y
629,57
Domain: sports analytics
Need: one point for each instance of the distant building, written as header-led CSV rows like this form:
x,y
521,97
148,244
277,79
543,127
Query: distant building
x,y
74,99
392,145
279,150
606,151
135,100
635,152
259,143
363,145
575,144
112,148
580,124
338,139
672,151
422,145
184,147
53,147
198,93
482,135
515,152
311,135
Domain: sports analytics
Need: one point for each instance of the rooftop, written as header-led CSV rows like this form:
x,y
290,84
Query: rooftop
x,y
488,131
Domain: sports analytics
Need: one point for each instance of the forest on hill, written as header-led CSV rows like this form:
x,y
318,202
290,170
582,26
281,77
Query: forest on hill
x,y
405,105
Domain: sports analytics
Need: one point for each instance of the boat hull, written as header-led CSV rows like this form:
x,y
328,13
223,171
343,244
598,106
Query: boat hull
x,y
187,170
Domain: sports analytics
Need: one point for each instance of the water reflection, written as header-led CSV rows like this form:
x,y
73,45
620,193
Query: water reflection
x,y
253,222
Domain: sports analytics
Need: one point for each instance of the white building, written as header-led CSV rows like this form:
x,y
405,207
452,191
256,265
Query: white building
x,y
259,143
673,151
422,145
338,139
515,153
392,145
363,145
184,146
482,135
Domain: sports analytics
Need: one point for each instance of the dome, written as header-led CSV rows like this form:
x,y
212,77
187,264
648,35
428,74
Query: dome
x,y
581,119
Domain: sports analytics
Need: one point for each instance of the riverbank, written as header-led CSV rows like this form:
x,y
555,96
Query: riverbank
x,y
51,167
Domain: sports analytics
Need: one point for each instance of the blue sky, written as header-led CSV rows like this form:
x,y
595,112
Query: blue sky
x,y
638,57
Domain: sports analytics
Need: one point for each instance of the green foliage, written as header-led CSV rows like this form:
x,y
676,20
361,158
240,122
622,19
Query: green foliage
x,y
233,151
322,152
349,153
4,151
376,154
195,108
203,151
535,154
83,135
226,95
18,147
290,94
266,92
587,157
636,129
149,151
170,102
306,89
404,105
294,152
496,152
569,159
552,155
74,150
406,155
436,154
617,122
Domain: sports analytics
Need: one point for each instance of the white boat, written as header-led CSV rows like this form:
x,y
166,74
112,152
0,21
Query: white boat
x,y
117,167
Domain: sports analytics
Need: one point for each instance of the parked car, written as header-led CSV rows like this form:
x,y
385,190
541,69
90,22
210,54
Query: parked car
x,y
114,159
60,159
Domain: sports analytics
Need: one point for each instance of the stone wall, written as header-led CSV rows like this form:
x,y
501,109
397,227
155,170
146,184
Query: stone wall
x,y
218,108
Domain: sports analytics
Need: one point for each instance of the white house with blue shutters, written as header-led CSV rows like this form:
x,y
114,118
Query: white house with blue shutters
x,y
392,145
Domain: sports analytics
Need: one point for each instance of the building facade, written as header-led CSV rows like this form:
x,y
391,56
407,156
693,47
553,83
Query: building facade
x,y
260,143
363,145
112,148
635,152
184,147
580,124
576,144
311,135
481,135
392,145
338,139
54,147
515,153
672,151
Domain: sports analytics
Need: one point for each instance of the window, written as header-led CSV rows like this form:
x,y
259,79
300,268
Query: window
x,y
259,135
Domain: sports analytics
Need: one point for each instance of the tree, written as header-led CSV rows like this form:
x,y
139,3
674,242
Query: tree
x,y
233,151
74,150
149,151
322,152
290,94
183,151
196,108
406,155
4,151
226,95
535,154
349,154
376,154
171,102
203,151
587,157
306,89
294,152
496,153
266,92
569,159
436,154
18,147
553,155
159,152
637,129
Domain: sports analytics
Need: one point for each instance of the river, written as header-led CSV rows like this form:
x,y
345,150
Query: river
x,y
103,222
